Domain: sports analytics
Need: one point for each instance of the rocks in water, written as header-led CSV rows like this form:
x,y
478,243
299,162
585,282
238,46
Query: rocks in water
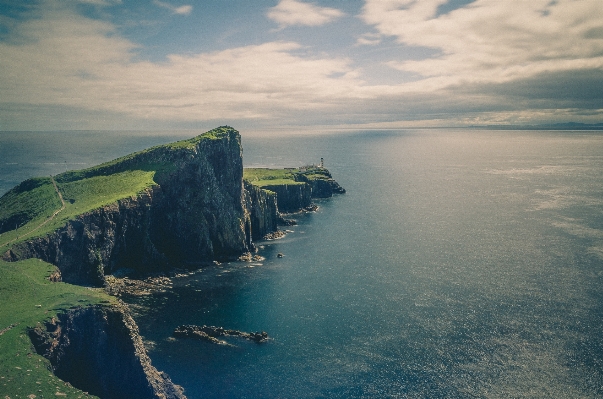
x,y
275,235
248,257
311,208
211,334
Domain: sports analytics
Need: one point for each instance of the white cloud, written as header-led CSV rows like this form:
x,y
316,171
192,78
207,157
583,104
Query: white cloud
x,y
493,40
293,12
181,10
486,70
69,60
369,39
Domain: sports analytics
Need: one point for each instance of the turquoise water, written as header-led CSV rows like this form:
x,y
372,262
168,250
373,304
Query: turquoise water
x,y
460,264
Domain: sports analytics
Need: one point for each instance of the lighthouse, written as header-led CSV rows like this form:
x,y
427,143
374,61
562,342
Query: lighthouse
x,y
322,162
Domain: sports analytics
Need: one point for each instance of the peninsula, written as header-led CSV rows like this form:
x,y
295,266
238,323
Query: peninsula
x,y
184,204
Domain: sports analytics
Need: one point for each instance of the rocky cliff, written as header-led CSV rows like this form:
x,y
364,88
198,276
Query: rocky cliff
x,y
291,197
195,213
98,349
294,188
197,210
262,212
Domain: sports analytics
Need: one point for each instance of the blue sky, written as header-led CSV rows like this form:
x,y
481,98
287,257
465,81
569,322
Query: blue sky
x,y
292,64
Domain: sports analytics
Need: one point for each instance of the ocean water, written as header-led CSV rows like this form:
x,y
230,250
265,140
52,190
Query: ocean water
x,y
460,264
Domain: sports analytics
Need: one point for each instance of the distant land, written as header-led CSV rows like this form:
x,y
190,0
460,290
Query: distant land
x,y
547,126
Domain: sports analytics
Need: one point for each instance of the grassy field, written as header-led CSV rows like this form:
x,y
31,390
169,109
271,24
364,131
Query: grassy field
x,y
27,297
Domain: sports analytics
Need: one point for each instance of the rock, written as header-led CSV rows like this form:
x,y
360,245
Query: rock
x,y
211,334
275,235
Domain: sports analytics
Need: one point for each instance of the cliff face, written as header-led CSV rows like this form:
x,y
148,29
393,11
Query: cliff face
x,y
194,214
99,242
262,212
99,350
201,215
292,197
323,186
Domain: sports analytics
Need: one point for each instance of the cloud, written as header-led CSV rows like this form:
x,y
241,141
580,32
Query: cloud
x,y
492,41
369,39
181,10
293,12
69,60
62,68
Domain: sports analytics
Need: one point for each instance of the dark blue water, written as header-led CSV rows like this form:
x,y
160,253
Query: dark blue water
x,y
460,264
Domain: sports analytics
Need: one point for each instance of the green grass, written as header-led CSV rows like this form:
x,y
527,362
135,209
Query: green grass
x,y
259,174
27,298
265,177
132,161
277,182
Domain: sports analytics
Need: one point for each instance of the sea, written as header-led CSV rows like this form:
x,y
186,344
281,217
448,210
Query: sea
x,y
461,263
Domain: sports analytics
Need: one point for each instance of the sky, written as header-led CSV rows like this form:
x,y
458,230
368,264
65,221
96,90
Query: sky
x,y
293,64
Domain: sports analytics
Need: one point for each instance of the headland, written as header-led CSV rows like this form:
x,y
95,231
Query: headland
x,y
185,204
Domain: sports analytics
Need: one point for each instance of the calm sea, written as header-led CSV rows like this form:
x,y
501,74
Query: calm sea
x,y
460,264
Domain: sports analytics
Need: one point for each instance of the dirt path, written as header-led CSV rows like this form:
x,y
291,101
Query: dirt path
x,y
44,222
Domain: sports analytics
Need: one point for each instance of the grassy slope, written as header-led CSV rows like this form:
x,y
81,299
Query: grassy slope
x,y
35,200
23,288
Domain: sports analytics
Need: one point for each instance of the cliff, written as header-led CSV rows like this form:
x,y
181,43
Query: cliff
x,y
175,204
86,337
262,212
97,349
191,209
169,205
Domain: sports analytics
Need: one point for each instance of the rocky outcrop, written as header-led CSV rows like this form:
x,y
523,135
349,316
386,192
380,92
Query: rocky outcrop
x,y
212,334
99,242
323,185
98,349
198,211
